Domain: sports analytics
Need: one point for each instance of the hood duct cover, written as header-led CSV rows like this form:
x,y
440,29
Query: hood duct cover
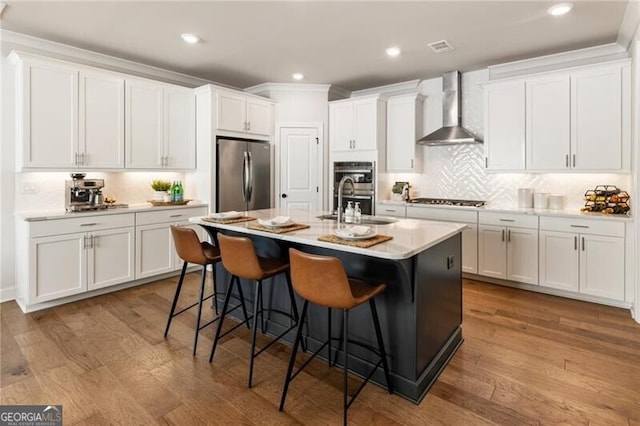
x,y
451,132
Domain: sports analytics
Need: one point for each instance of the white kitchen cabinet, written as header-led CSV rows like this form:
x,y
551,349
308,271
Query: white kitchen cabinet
x,y
548,123
393,210
568,120
72,256
357,124
583,256
597,142
155,251
101,120
160,125
46,112
508,247
243,114
404,125
505,126
469,234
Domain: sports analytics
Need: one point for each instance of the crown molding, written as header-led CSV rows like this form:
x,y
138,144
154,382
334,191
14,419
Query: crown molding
x,y
64,52
288,87
404,87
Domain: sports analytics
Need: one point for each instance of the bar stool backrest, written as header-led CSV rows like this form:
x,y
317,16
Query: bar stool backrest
x,y
320,279
188,245
239,257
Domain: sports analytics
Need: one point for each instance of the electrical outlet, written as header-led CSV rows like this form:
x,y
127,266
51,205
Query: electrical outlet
x,y
450,262
30,188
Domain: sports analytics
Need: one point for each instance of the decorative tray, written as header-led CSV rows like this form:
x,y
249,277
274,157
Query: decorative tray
x,y
169,203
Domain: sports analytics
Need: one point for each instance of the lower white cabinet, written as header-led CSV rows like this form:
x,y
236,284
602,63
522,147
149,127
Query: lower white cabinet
x,y
508,252
155,252
393,210
469,235
583,256
64,263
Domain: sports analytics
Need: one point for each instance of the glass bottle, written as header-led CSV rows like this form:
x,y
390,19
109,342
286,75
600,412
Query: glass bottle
x,y
348,212
357,213
172,190
180,196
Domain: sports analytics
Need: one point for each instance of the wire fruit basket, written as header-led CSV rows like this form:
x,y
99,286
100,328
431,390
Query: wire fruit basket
x,y
607,199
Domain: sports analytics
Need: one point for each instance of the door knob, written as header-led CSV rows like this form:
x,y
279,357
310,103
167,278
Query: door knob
x,y
284,195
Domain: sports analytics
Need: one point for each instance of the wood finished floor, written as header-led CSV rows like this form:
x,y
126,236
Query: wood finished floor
x,y
527,359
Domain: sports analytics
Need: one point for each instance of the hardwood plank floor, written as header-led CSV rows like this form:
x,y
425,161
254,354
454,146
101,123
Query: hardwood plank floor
x,y
528,358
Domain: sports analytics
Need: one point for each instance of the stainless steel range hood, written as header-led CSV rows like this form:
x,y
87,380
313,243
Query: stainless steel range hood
x,y
452,131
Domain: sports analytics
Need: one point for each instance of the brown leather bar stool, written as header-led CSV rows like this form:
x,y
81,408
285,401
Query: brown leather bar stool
x,y
322,280
239,258
191,250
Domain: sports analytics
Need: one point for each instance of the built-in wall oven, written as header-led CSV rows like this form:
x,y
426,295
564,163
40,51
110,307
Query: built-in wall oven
x,y
363,190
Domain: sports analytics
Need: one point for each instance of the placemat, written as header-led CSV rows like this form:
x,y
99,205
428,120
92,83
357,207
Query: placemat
x,y
226,221
281,230
356,243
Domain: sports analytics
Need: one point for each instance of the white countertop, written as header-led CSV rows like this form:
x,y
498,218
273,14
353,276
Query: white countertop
x,y
410,236
539,212
31,216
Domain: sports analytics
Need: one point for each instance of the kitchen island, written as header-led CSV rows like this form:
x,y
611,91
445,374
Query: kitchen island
x,y
420,310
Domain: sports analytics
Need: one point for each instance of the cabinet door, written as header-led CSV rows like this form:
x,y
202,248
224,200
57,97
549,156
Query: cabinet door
x,y
49,115
402,119
101,131
470,249
602,266
179,128
596,119
559,260
365,124
492,246
259,117
110,257
522,255
341,126
57,267
505,126
154,250
231,112
144,124
548,123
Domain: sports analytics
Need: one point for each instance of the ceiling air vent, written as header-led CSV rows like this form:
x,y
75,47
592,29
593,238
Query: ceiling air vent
x,y
441,46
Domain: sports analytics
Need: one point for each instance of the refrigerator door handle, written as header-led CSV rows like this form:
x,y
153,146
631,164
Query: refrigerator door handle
x,y
245,176
250,180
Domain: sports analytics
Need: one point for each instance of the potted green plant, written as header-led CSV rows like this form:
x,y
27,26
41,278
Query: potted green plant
x,y
160,188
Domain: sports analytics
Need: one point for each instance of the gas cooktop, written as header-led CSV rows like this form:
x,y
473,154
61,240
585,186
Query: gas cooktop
x,y
448,202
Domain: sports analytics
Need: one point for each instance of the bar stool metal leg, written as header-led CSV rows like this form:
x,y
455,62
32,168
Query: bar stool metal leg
x,y
215,292
224,312
292,357
244,307
345,379
175,299
256,310
200,297
383,353
329,336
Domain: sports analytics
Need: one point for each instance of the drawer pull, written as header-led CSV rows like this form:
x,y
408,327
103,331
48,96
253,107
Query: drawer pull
x,y
580,226
507,220
575,243
389,210
88,224
175,215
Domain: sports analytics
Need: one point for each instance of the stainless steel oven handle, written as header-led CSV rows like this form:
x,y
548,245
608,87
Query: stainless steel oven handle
x,y
339,170
358,197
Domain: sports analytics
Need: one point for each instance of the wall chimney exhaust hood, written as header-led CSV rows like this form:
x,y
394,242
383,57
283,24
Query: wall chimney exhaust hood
x,y
451,132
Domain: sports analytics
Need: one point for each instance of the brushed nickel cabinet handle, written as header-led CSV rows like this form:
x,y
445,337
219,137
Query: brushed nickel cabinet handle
x,y
574,160
566,160
88,224
176,215
503,235
575,242
582,243
507,220
509,236
580,226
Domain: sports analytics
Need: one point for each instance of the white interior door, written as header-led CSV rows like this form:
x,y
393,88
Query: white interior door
x,y
299,168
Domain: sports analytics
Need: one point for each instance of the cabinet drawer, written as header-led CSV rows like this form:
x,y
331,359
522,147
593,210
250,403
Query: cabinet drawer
x,y
583,226
390,210
508,219
444,214
169,215
80,224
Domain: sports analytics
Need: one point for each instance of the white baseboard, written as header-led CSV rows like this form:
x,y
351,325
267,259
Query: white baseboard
x,y
7,294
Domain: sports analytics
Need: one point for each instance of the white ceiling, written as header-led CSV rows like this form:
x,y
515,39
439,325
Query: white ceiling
x,y
335,42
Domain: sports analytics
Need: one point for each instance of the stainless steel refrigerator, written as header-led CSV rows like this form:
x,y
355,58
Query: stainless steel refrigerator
x,y
243,175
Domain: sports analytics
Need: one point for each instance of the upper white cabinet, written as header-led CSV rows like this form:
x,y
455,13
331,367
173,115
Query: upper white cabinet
x,y
404,124
243,114
569,120
357,124
160,125
505,126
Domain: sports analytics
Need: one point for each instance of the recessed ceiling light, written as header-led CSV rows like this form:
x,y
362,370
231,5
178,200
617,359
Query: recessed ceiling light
x,y
190,38
392,51
560,9
297,76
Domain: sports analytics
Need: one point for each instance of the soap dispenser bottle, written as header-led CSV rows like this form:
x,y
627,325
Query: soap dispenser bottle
x,y
348,212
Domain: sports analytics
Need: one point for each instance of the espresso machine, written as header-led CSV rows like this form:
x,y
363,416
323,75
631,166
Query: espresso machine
x,y
84,194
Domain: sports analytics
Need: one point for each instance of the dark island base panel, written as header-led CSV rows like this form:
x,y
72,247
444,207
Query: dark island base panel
x,y
420,311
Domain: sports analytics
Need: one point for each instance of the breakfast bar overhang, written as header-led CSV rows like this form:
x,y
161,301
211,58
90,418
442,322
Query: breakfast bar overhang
x,y
420,310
